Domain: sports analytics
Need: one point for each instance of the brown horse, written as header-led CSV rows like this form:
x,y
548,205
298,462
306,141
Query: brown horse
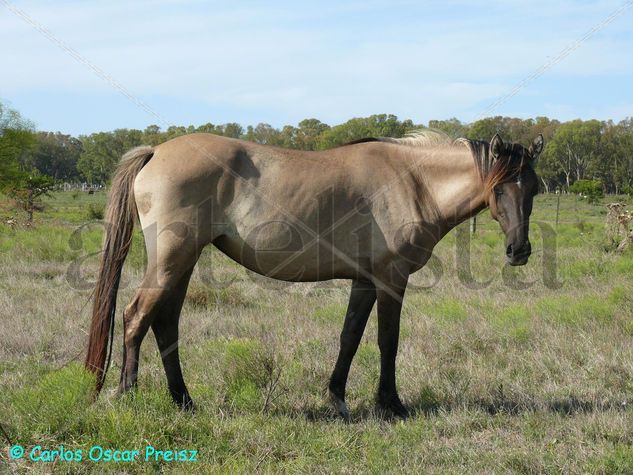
x,y
370,211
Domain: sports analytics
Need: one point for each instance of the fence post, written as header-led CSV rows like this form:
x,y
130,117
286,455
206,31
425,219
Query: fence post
x,y
557,205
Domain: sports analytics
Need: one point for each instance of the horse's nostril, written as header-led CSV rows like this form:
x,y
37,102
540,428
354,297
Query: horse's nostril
x,y
524,250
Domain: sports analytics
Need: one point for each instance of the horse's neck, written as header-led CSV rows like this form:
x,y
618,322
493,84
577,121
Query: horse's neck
x,y
454,185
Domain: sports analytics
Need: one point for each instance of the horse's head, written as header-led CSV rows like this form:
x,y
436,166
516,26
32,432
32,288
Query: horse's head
x,y
512,186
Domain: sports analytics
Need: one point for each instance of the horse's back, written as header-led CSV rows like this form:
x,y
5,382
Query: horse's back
x,y
272,209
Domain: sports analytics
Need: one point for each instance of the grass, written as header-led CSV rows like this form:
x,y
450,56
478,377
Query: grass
x,y
524,374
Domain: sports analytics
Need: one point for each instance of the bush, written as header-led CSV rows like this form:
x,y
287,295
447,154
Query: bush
x,y
96,211
251,375
627,190
590,189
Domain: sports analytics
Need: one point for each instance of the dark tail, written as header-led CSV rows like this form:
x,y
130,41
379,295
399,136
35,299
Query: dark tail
x,y
118,237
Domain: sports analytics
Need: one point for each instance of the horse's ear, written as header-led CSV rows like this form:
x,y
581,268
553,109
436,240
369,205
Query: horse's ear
x,y
496,147
536,147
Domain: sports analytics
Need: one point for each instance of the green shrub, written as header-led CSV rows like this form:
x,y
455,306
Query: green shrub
x,y
250,374
96,211
591,189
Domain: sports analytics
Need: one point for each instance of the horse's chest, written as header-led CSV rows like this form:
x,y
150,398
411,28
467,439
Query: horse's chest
x,y
414,244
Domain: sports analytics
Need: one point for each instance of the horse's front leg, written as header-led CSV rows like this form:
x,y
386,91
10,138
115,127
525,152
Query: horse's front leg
x,y
389,307
361,301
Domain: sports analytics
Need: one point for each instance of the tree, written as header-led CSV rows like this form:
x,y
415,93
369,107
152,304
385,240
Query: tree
x,y
574,145
623,166
232,130
152,135
15,148
102,152
264,134
208,128
174,131
56,155
615,167
18,178
573,150
287,137
511,129
380,125
306,135
16,143
541,125
451,127
27,190
485,129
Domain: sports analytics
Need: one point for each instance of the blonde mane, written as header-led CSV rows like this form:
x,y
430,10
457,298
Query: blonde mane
x,y
491,172
421,138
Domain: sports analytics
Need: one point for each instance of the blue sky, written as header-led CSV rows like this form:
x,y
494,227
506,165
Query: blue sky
x,y
282,61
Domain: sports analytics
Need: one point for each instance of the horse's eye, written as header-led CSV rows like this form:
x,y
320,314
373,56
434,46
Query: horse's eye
x,y
498,192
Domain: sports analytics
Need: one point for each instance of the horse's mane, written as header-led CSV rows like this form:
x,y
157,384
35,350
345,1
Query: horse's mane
x,y
492,172
416,138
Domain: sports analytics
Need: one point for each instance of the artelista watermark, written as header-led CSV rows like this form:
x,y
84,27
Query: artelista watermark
x,y
322,250
99,453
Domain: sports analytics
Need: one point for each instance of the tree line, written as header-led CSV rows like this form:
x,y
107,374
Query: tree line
x,y
578,150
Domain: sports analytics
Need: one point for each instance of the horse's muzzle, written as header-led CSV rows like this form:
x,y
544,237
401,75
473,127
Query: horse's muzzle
x,y
518,256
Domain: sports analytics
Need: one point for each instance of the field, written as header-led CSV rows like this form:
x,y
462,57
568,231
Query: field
x,y
521,375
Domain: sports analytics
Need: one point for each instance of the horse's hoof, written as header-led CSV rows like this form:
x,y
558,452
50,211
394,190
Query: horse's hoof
x,y
185,403
339,406
122,390
392,405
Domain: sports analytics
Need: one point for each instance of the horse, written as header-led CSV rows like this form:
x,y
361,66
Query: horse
x,y
370,211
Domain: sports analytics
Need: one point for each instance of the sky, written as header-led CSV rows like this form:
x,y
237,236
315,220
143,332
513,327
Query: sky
x,y
80,67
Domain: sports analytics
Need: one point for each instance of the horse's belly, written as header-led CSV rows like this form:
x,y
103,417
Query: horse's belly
x,y
296,258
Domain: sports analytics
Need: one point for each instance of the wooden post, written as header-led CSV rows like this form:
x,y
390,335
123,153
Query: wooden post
x,y
557,206
30,205
473,225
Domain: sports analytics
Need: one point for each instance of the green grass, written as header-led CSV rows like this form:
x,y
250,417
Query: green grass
x,y
449,309
329,313
507,378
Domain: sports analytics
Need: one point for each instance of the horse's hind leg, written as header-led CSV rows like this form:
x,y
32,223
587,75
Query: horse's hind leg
x,y
161,293
137,318
165,327
361,301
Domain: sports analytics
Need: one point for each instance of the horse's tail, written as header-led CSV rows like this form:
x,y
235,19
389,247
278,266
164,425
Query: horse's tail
x,y
118,237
